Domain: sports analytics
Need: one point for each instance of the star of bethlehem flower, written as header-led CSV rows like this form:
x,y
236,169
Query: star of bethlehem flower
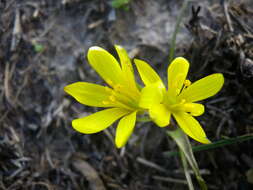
x,y
120,97
179,99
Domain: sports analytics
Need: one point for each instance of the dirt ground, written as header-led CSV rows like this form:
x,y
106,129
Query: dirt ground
x,y
43,47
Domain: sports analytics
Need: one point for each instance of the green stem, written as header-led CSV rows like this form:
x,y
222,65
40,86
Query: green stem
x,y
217,144
174,36
186,172
184,146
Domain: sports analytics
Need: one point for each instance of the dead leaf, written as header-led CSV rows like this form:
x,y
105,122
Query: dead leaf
x,y
89,173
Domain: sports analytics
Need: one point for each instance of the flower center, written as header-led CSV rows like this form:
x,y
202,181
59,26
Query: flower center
x,y
175,105
121,96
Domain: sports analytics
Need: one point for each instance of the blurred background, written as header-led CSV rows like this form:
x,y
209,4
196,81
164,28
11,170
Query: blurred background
x,y
43,47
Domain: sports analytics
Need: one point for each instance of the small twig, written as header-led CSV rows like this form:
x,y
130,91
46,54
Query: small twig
x,y
225,7
95,24
109,135
150,164
16,34
240,22
169,179
221,124
8,73
49,159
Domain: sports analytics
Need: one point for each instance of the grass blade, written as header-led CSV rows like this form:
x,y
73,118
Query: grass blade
x,y
217,144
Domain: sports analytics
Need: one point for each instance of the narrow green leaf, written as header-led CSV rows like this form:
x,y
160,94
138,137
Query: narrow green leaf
x,y
143,119
214,145
174,36
184,145
186,171
38,48
119,3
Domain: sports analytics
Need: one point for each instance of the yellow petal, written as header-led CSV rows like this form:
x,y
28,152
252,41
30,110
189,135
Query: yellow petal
x,y
150,95
105,65
98,121
125,129
177,73
125,62
203,88
191,127
160,115
127,68
194,109
147,73
88,93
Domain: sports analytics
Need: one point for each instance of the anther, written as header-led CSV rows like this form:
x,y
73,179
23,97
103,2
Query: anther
x,y
112,98
105,102
109,82
117,87
187,83
177,91
182,101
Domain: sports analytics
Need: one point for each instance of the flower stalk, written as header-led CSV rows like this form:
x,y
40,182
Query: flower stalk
x,y
186,172
186,154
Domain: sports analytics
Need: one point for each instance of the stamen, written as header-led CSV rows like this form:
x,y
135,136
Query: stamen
x,y
105,102
107,89
117,87
176,83
109,82
182,101
177,91
179,105
194,109
187,83
112,98
120,95
128,64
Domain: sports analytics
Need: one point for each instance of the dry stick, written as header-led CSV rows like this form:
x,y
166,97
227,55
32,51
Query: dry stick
x,y
243,25
16,35
150,164
169,179
225,7
8,73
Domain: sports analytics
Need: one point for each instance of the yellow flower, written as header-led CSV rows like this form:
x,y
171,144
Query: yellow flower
x,y
180,98
121,97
